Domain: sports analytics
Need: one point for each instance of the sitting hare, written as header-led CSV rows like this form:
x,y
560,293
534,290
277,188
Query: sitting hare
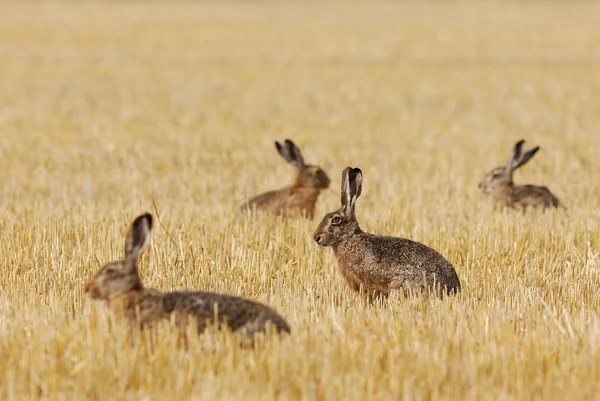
x,y
301,196
498,183
377,264
119,284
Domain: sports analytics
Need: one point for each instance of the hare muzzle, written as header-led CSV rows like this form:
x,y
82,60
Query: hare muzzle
x,y
318,238
92,289
322,238
325,181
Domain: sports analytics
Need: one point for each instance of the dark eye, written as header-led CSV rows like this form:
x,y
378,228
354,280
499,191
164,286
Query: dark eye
x,y
111,272
336,220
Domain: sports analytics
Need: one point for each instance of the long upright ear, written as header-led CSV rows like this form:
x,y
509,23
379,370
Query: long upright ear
x,y
515,156
346,196
291,153
295,152
525,157
351,188
356,181
138,236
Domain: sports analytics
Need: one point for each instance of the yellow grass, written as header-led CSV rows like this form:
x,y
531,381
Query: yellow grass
x,y
107,108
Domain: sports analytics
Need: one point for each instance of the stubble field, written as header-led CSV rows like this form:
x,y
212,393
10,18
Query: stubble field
x,y
109,110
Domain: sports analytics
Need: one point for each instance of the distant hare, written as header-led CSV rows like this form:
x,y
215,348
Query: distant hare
x,y
377,264
498,183
301,196
119,284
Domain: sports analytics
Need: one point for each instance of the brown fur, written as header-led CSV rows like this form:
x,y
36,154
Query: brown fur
x,y
298,198
376,264
119,284
499,185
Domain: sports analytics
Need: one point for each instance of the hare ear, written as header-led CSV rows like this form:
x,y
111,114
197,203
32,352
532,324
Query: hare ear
x,y
356,181
351,188
346,196
290,153
525,157
138,236
295,152
515,156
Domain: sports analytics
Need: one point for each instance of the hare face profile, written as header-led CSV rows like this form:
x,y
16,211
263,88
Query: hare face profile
x,y
498,184
301,196
376,264
121,277
119,284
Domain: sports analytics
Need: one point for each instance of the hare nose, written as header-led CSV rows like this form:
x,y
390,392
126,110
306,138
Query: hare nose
x,y
318,239
90,286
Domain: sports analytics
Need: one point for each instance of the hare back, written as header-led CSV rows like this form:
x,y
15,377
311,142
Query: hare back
x,y
382,263
204,307
236,312
534,196
286,201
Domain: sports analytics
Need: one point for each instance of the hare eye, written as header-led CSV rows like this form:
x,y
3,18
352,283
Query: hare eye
x,y
110,272
336,220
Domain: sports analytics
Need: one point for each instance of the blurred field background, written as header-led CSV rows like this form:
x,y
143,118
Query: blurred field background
x,y
112,109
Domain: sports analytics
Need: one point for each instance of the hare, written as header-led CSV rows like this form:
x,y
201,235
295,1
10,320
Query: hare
x,y
498,183
301,196
375,264
119,284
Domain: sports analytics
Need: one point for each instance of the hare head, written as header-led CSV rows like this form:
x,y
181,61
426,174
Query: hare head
x,y
341,224
503,176
309,176
119,277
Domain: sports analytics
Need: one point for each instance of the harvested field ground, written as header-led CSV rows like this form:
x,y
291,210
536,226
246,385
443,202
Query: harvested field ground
x,y
109,110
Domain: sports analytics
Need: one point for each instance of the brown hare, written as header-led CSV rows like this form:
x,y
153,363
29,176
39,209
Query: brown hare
x,y
301,196
377,265
499,185
119,284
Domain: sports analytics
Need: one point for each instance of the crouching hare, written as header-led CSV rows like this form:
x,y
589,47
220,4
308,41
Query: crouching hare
x,y
119,284
301,196
377,265
498,184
